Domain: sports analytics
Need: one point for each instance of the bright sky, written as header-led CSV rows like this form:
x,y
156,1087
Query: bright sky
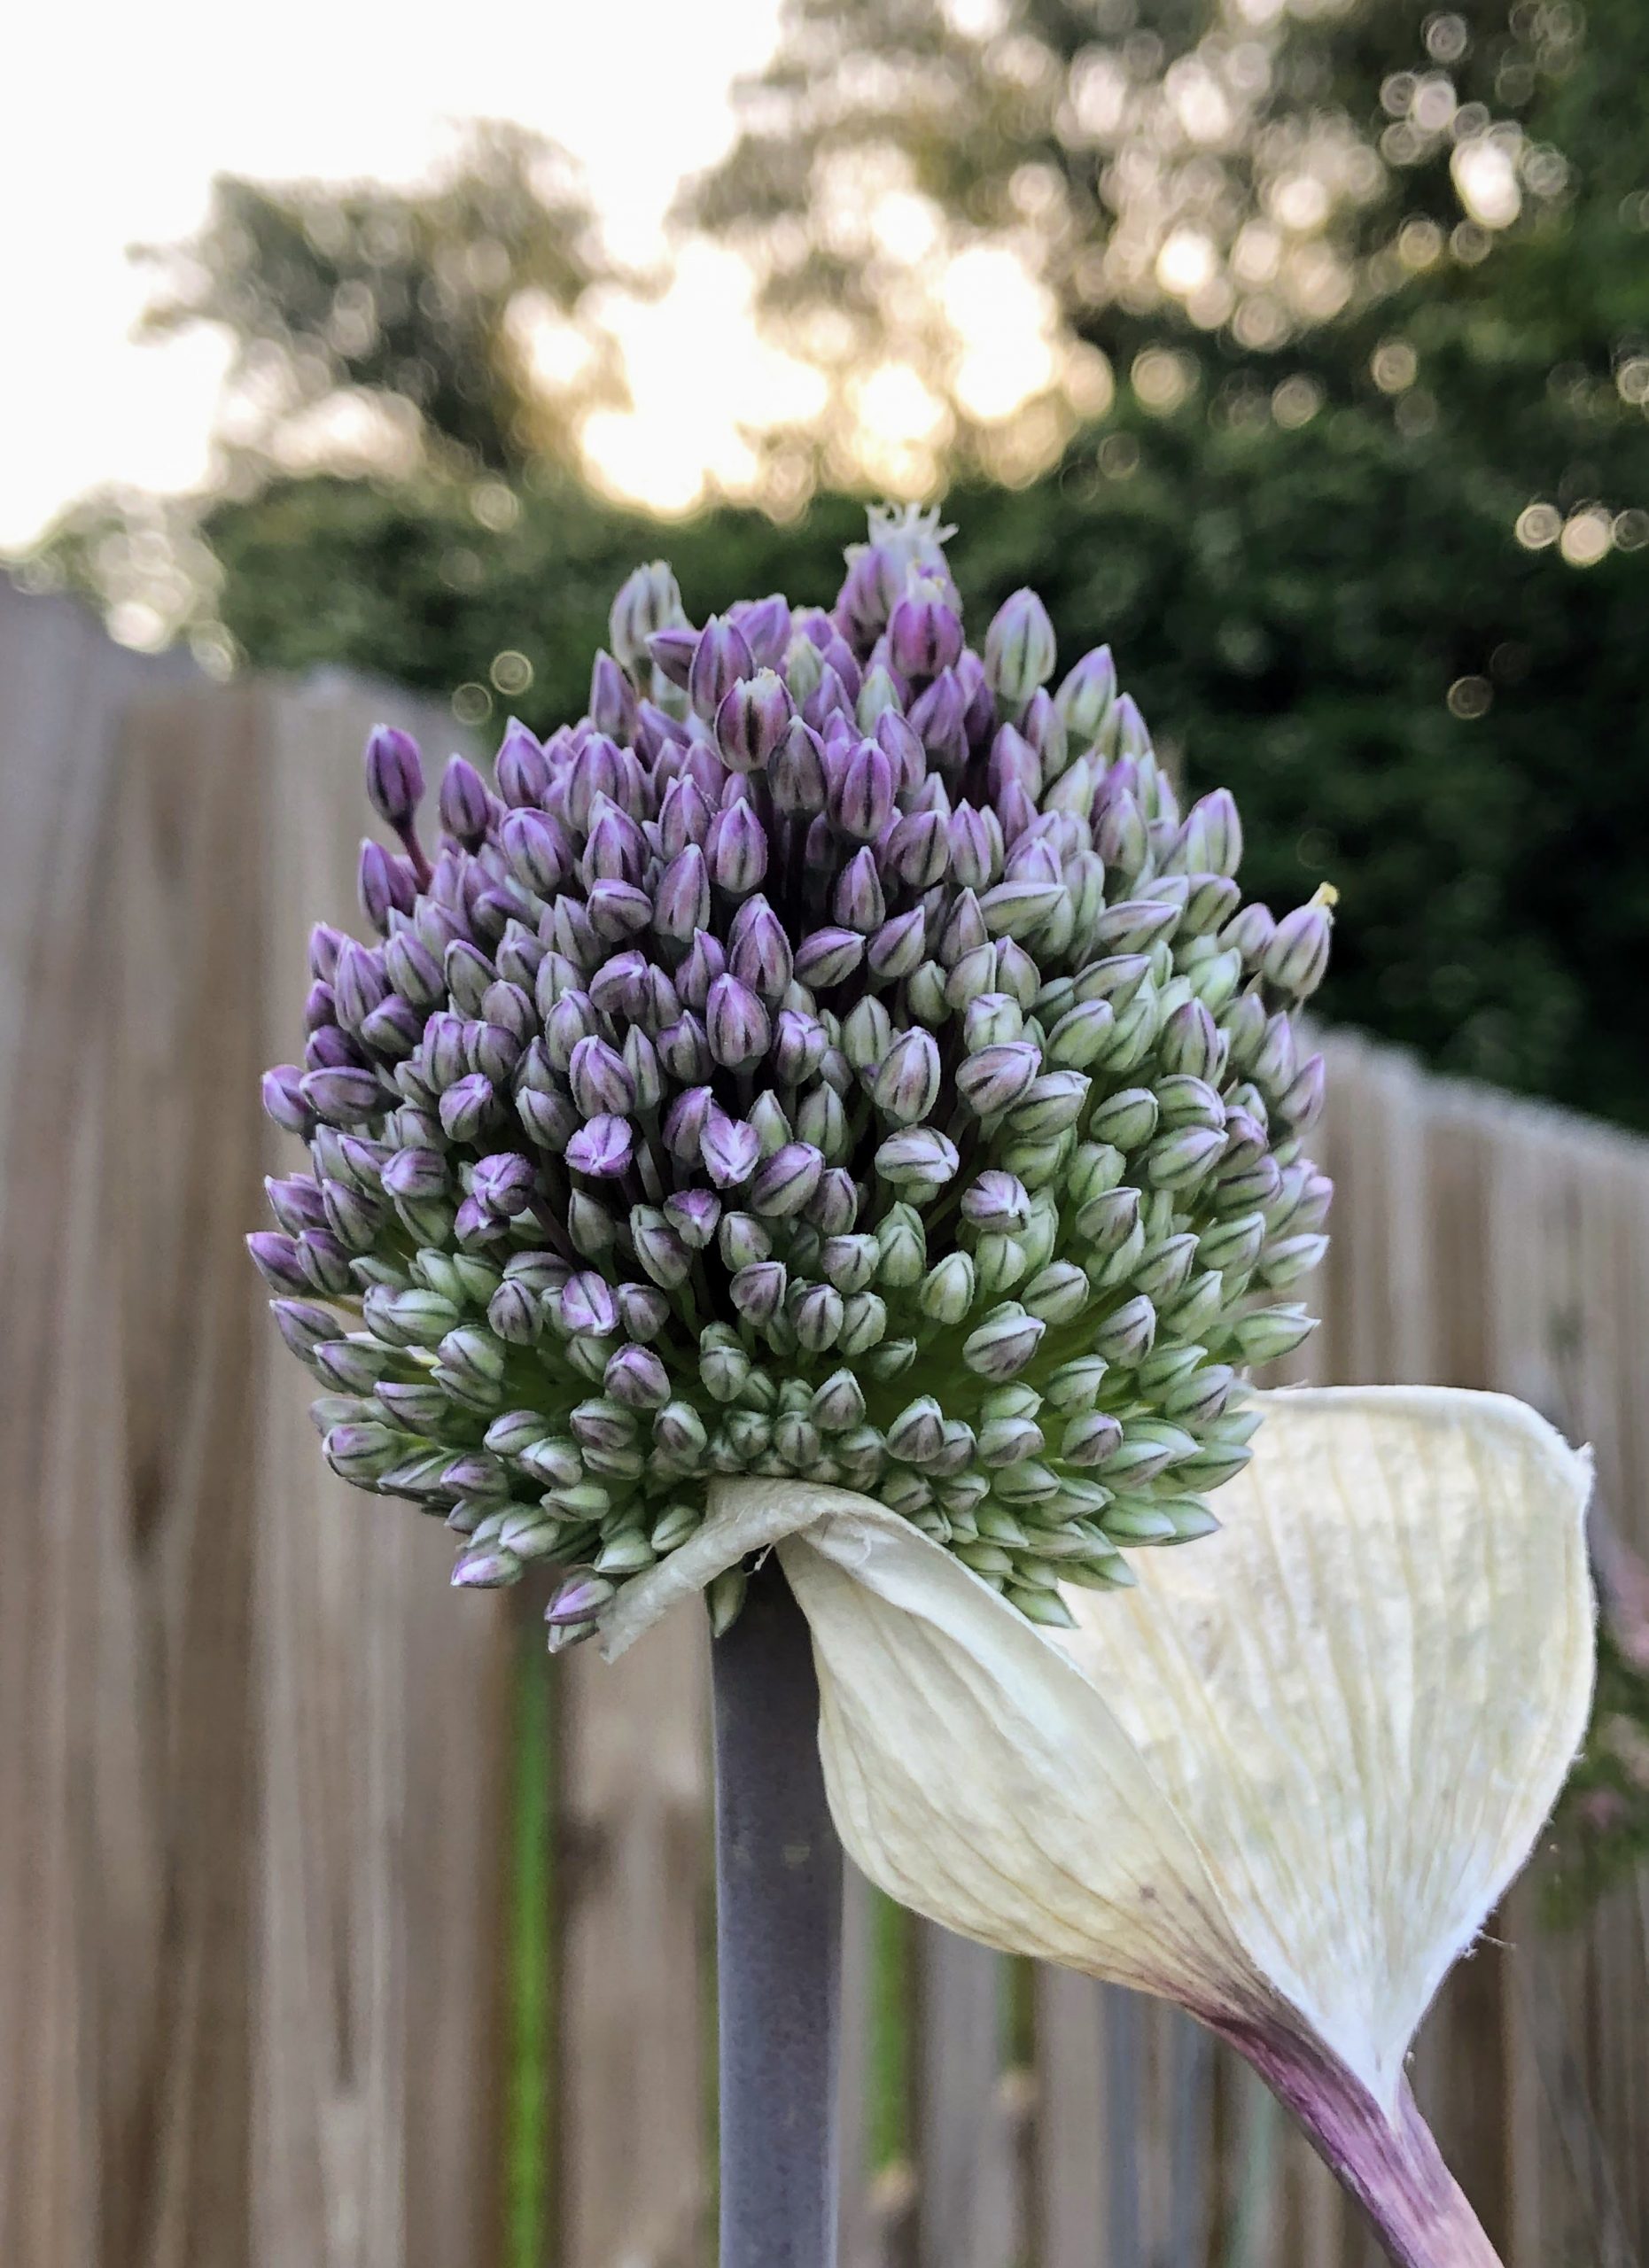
x,y
114,118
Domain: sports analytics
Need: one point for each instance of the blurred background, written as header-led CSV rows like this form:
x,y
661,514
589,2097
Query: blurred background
x,y
1298,348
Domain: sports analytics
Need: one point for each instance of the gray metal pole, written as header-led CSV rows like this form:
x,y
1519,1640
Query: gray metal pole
x,y
778,1941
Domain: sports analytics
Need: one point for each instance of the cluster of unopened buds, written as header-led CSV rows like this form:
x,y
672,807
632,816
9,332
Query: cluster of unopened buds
x,y
834,1056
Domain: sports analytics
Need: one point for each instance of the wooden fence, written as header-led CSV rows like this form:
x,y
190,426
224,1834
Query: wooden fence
x,y
338,1930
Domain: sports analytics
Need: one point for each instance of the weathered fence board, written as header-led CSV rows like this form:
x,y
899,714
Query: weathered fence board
x,y
255,1786
251,1867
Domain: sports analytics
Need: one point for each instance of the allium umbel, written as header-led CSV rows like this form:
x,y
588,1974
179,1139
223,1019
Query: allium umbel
x,y
834,1058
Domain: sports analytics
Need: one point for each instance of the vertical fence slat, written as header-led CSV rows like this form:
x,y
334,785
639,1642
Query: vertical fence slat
x,y
964,2159
635,2046
82,1902
1071,2166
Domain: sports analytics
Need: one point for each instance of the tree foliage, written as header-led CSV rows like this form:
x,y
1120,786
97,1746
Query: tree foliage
x,y
1269,192
420,304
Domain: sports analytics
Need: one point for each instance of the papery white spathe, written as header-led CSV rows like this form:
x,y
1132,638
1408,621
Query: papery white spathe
x,y
1282,1782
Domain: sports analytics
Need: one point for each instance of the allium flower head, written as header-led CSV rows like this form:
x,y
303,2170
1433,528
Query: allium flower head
x,y
834,1057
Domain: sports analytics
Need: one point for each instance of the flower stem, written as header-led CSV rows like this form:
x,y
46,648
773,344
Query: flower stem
x,y
1390,2164
778,1939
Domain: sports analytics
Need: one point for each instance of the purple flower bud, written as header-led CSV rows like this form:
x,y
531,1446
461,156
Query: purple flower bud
x,y
284,1100
1249,933
358,984
736,848
752,720
1192,1042
795,771
833,1209
684,1121
759,1290
523,769
995,1078
730,1149
599,1081
1276,1059
694,1215
829,957
865,799
918,850
828,700
901,744
1212,834
684,817
1013,762
419,1176
758,951
413,970
936,716
384,884
537,850
580,1600
786,1181
1133,737
616,910
705,960
597,770
325,1262
585,1307
924,632
918,1160
612,701
671,650
320,1007
659,1248
1296,959
549,1119
635,1376
467,1107
896,949
858,901
1302,1105
296,1202
465,806
515,1315
276,1260
736,1024
720,659
997,1203
603,1148
1088,696
615,850
343,1096
329,1049
766,626
906,1084
976,840
468,973
798,1045
394,776
504,1184
648,602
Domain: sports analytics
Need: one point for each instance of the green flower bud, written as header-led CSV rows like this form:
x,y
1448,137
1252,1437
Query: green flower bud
x,y
947,1290
1128,1119
1004,1342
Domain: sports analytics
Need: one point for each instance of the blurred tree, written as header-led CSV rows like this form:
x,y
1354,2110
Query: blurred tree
x,y
445,320
1271,192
